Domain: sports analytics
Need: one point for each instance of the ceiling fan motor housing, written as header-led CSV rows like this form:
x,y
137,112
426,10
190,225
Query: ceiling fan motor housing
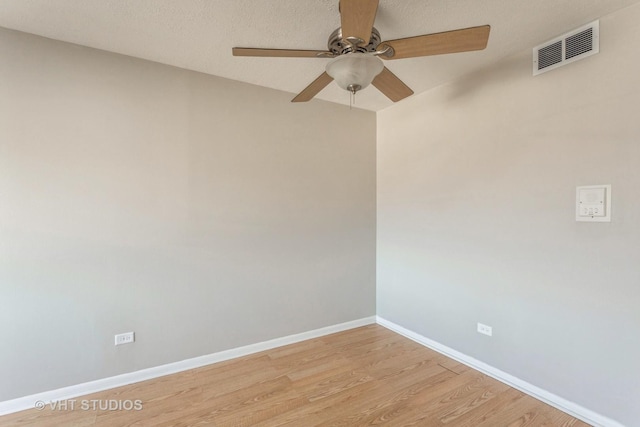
x,y
339,46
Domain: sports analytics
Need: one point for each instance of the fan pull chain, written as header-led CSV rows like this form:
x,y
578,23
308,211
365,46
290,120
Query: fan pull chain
x,y
352,98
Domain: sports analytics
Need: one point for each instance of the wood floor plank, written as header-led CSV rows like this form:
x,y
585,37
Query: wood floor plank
x,y
453,365
431,401
488,409
471,403
520,413
364,376
386,405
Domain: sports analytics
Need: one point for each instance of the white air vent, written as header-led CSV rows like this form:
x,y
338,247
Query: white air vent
x,y
570,47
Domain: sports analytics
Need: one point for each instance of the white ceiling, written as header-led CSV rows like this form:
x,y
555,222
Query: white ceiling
x,y
199,34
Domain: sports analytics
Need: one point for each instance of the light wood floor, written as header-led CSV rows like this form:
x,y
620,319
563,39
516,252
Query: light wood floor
x,y
365,376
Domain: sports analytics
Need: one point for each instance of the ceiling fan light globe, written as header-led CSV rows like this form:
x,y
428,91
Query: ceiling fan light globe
x,y
354,70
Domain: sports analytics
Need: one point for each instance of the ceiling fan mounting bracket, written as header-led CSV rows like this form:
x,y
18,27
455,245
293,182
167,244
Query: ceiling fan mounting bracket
x,y
386,51
326,55
354,42
339,46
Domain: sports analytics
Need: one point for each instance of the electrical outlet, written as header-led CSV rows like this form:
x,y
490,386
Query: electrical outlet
x,y
125,338
485,329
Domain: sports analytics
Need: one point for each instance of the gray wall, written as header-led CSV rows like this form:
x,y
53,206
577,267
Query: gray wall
x,y
476,220
201,213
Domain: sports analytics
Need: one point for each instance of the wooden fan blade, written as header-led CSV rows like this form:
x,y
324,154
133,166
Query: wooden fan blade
x,y
356,19
314,88
292,53
463,40
387,83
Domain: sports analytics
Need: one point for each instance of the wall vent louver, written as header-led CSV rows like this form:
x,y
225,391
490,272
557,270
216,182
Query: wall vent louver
x,y
570,47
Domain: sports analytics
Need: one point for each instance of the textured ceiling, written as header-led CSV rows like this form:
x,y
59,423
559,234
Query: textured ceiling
x,y
199,34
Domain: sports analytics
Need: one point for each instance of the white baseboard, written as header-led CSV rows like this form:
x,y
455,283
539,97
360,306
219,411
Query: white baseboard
x,y
571,408
28,402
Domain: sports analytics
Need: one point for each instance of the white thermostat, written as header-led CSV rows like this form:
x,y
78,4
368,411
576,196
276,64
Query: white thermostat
x,y
593,203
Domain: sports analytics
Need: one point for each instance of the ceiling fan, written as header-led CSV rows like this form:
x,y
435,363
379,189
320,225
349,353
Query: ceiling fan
x,y
356,48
